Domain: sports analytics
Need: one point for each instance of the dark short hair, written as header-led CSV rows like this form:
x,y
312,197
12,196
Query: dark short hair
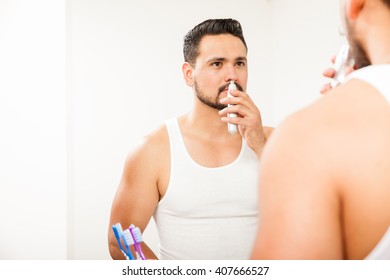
x,y
209,27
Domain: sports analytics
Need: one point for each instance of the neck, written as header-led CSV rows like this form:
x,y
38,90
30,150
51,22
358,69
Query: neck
x,y
206,121
376,29
379,53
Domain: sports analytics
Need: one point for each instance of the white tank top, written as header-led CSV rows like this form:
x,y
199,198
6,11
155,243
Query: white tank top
x,y
207,213
377,76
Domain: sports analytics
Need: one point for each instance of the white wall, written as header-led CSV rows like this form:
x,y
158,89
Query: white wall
x,y
304,37
32,130
63,146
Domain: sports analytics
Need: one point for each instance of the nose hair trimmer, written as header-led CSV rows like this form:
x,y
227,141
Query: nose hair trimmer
x,y
232,128
342,62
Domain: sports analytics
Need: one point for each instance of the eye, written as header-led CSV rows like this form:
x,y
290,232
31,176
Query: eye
x,y
216,64
241,63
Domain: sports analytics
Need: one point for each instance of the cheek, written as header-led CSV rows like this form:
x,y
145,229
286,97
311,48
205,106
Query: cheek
x,y
243,79
209,79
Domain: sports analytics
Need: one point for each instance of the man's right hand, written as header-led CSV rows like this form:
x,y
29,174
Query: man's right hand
x,y
330,73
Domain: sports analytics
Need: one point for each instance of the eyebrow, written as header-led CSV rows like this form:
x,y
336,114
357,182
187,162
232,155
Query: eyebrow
x,y
240,58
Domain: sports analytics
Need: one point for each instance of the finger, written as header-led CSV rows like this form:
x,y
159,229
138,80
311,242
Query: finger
x,y
246,116
234,101
233,120
238,93
325,88
329,73
222,112
241,98
234,92
243,122
241,110
237,109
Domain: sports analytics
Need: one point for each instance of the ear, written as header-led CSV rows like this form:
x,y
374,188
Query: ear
x,y
188,74
354,8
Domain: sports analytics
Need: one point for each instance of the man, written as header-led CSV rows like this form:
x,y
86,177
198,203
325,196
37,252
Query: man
x,y
325,174
198,181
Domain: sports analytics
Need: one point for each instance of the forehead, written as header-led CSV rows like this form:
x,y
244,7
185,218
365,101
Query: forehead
x,y
221,45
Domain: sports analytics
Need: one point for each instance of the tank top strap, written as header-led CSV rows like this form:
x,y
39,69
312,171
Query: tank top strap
x,y
376,75
176,142
173,132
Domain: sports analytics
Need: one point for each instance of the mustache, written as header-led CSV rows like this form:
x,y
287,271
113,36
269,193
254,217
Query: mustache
x,y
222,88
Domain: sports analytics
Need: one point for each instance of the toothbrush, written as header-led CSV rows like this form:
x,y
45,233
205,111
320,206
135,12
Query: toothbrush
x,y
128,240
232,128
117,228
137,237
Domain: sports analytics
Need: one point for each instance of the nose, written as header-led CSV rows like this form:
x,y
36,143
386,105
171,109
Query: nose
x,y
231,73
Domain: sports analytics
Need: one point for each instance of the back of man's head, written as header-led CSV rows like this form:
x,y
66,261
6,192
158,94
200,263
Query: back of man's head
x,y
387,2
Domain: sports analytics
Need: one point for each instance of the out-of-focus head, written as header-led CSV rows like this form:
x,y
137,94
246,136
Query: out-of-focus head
x,y
355,37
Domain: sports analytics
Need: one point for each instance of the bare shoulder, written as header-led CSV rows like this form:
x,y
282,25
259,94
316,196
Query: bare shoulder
x,y
341,113
153,146
156,142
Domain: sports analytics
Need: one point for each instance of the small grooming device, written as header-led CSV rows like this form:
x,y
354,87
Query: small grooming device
x,y
232,128
342,63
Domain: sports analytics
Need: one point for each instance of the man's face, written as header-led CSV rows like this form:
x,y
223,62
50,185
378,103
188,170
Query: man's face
x,y
357,49
221,58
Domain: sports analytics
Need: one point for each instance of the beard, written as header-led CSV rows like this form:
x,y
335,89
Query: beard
x,y
210,101
357,50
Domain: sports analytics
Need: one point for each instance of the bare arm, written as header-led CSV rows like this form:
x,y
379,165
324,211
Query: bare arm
x,y
137,195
